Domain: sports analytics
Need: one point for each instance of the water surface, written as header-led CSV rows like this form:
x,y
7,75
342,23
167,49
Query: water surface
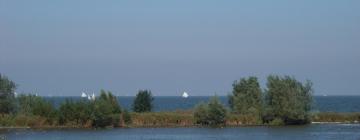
x,y
171,103
308,132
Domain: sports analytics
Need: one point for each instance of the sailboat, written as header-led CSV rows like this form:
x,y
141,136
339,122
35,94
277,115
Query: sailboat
x,y
83,95
93,96
185,95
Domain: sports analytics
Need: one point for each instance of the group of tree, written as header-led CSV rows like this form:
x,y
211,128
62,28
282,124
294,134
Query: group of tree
x,y
284,101
103,112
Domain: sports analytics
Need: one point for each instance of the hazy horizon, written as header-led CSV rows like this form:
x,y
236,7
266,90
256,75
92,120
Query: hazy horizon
x,y
61,48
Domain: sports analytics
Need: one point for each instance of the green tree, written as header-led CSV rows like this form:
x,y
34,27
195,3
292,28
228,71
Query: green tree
x,y
201,113
246,97
67,112
211,113
35,105
143,101
102,114
217,112
288,100
106,110
111,99
7,98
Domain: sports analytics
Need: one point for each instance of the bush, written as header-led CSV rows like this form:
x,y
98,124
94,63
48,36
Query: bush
x,y
106,111
143,101
201,114
211,113
7,120
67,112
289,100
277,121
126,117
31,105
75,113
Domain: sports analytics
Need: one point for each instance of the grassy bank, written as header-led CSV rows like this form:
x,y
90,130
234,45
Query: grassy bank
x,y
167,119
336,117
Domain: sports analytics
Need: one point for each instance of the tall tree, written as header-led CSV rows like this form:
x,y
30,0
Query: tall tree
x,y
246,97
7,97
143,101
289,99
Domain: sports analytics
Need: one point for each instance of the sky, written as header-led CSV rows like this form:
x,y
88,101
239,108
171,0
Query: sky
x,y
61,48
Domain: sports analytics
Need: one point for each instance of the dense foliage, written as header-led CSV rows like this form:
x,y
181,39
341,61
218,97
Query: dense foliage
x,y
211,113
7,97
246,98
143,101
32,105
288,100
102,112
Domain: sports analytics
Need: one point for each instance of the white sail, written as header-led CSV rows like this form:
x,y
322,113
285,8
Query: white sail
x,y
88,96
83,94
185,95
93,96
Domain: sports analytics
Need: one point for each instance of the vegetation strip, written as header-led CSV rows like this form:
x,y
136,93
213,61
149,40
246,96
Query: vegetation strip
x,y
285,101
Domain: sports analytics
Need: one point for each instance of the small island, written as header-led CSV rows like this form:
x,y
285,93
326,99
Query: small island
x,y
284,101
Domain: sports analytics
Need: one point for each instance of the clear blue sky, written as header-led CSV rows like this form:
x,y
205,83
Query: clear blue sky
x,y
170,46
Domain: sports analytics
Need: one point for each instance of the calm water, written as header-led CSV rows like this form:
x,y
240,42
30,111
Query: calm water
x,y
309,132
170,103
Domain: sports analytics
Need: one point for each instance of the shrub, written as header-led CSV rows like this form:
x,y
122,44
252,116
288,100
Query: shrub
x,y
67,112
143,101
217,112
277,121
126,117
211,113
7,120
102,114
106,111
32,105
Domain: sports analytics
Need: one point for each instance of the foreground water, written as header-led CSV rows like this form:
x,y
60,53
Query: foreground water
x,y
308,132
171,103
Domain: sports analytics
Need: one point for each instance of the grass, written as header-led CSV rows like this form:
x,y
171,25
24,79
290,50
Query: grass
x,y
168,119
162,119
336,117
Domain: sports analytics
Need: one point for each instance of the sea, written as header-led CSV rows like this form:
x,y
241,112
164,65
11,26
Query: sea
x,y
173,103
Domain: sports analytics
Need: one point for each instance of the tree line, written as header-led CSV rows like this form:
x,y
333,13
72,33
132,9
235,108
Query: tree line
x,y
284,101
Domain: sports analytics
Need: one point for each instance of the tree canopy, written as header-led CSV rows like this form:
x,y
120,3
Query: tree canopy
x,y
246,97
143,101
210,113
7,89
288,99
